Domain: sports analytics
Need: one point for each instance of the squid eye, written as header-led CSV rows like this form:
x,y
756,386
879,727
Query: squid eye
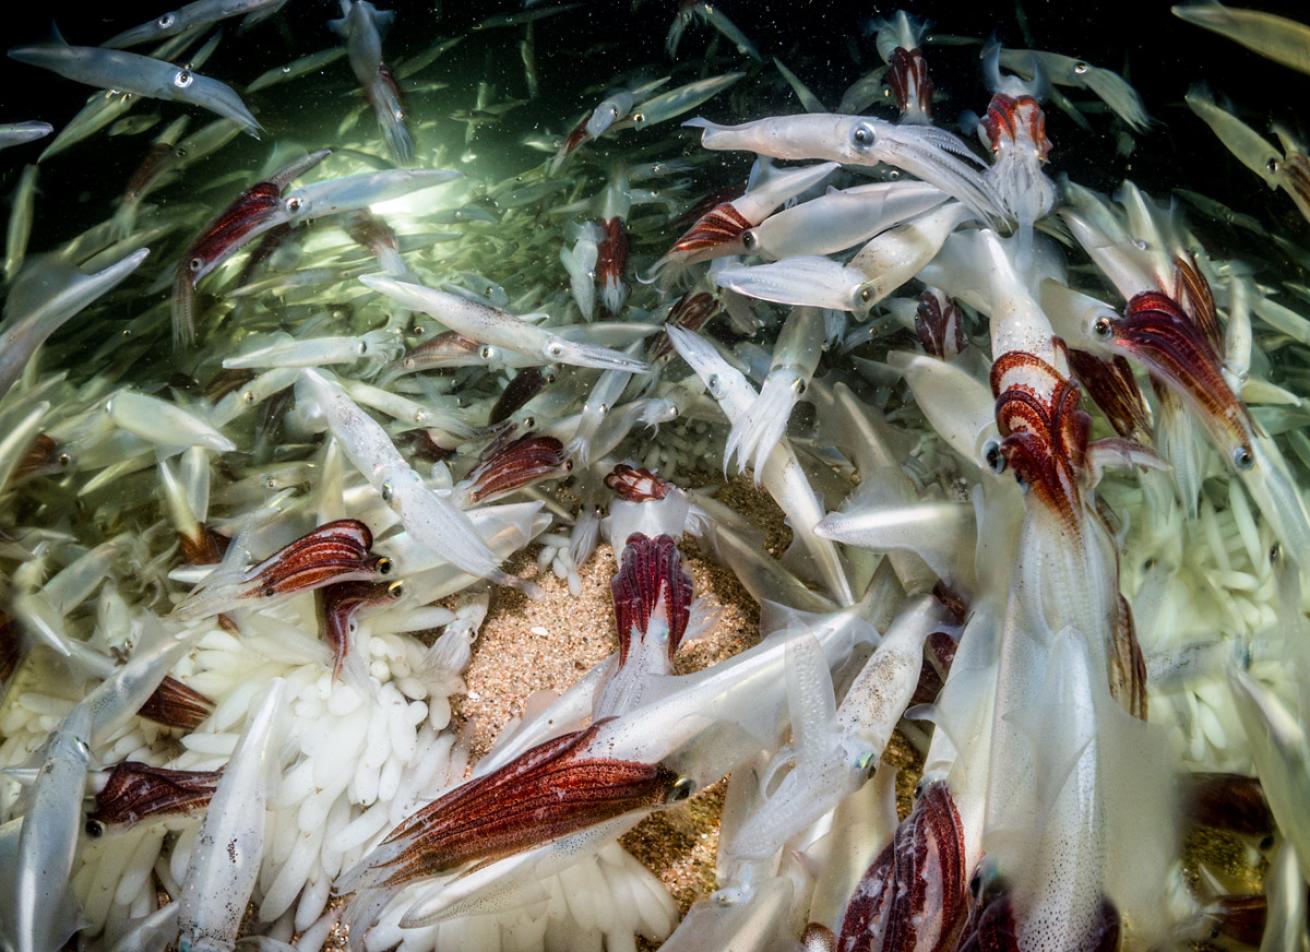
x,y
1021,482
799,387
383,565
1275,552
294,203
1103,328
166,21
548,376
748,240
396,589
529,423
1080,68
486,352
994,457
183,78
975,883
863,136
638,118
682,788
866,763
568,466
1243,458
1272,165
555,349
95,829
195,264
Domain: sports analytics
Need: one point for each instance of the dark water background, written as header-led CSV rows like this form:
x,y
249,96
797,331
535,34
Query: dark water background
x,y
579,52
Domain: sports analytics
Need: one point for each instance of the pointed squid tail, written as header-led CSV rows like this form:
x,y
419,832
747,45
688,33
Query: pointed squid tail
x,y
758,431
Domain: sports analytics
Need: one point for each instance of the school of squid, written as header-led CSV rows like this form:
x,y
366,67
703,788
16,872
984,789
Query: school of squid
x,y
273,445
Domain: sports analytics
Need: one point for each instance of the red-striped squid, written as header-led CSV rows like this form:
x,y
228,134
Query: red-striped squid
x,y
1170,327
254,212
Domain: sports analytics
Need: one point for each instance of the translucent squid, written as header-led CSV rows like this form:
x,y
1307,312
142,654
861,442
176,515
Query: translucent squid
x,y
362,25
140,75
505,331
783,475
194,16
795,359
933,155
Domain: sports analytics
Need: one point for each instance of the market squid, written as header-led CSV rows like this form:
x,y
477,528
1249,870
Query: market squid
x,y
795,359
933,155
253,213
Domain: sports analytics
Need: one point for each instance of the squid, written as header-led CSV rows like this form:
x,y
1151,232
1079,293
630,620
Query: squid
x,y
48,293
795,359
719,231
1282,40
254,212
42,913
835,748
194,16
362,25
501,330
139,75
334,552
18,133
783,475
839,219
899,41
224,864
933,155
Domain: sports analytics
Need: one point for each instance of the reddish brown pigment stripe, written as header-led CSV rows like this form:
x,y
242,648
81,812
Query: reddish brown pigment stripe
x,y
612,253
136,791
1127,664
525,385
547,792
651,571
1008,115
1044,432
909,79
238,220
636,485
173,704
1227,802
512,466
889,911
692,312
1196,298
938,323
337,605
206,548
1112,387
1155,331
719,226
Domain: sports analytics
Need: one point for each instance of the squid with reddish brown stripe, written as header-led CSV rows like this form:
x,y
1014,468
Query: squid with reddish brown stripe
x,y
611,263
652,606
334,552
135,793
509,467
718,232
174,704
255,211
940,325
911,85
646,505
337,605
913,898
692,312
1158,333
552,790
